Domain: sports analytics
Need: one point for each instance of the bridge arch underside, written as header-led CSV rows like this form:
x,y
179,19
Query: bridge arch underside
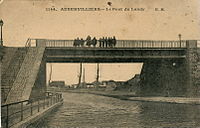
x,y
164,72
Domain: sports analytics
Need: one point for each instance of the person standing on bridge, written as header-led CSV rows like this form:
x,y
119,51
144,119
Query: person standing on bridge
x,y
100,42
88,41
75,42
88,38
109,42
114,41
103,42
106,42
82,42
78,42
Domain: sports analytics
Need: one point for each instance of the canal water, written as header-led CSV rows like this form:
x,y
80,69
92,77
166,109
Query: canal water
x,y
90,111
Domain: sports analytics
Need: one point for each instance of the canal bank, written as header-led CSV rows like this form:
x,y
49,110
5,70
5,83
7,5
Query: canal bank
x,y
132,97
23,113
38,116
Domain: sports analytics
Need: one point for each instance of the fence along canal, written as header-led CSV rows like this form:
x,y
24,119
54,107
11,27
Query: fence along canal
x,y
16,112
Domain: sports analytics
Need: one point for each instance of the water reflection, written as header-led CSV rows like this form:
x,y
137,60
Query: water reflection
x,y
87,110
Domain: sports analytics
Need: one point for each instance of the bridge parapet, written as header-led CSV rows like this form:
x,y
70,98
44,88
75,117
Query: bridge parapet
x,y
119,44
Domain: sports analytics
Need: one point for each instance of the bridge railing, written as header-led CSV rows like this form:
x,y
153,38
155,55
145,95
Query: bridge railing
x,y
59,43
14,113
119,43
150,44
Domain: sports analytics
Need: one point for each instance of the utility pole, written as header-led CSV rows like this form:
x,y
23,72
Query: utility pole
x,y
1,24
84,76
50,74
179,35
97,78
80,74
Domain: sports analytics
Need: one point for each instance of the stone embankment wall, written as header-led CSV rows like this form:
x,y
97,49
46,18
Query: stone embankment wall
x,y
20,78
163,78
180,77
193,61
12,60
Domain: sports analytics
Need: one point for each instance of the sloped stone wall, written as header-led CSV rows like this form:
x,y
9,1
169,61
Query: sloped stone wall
x,y
39,88
9,53
27,75
12,60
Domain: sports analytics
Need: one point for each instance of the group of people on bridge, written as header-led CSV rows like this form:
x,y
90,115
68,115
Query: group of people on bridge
x,y
103,42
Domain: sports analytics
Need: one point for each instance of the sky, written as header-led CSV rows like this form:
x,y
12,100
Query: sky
x,y
25,19
108,71
29,18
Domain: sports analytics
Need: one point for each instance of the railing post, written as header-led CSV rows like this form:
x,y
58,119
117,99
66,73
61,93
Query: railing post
x,y
55,98
152,44
31,108
38,105
59,98
180,43
44,103
47,101
171,43
7,114
21,111
142,44
51,100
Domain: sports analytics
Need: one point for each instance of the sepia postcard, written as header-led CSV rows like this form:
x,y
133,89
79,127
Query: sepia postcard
x,y
100,63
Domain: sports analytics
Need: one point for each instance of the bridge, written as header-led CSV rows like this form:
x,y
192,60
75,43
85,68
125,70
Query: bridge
x,y
124,51
169,67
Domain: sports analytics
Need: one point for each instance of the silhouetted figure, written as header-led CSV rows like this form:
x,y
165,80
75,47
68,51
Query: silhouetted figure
x,y
74,44
88,37
88,41
94,42
100,42
109,41
114,41
82,42
106,42
103,42
78,41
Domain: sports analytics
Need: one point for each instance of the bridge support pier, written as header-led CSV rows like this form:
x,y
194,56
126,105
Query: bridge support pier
x,y
163,78
172,77
39,87
193,67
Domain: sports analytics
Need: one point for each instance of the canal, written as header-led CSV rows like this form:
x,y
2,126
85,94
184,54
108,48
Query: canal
x,y
88,110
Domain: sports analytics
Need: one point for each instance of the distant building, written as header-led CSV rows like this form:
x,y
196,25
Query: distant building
x,y
74,86
109,85
89,85
59,84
